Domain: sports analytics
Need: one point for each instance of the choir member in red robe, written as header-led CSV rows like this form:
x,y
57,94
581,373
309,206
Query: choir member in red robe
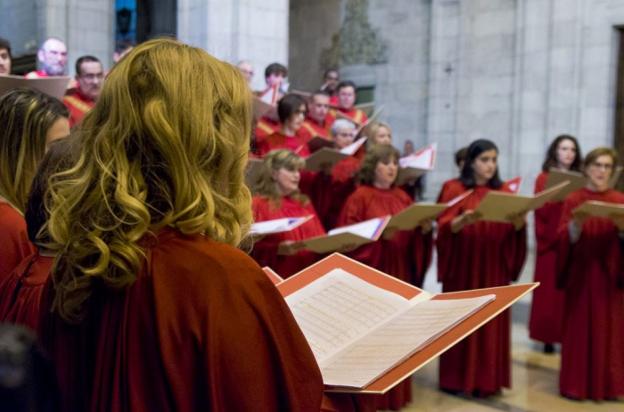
x,y
291,110
346,104
405,255
20,292
478,254
547,306
151,305
328,190
590,271
278,196
318,121
31,121
449,185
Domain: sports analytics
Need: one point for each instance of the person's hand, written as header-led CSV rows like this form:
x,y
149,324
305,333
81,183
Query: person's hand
x,y
389,232
467,218
618,220
517,220
426,225
579,218
289,248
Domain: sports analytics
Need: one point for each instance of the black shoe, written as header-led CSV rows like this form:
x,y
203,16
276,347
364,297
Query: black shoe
x,y
549,348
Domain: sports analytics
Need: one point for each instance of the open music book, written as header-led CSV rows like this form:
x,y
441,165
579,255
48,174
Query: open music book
x,y
326,155
285,224
576,181
416,164
597,208
499,206
55,86
272,275
369,331
347,237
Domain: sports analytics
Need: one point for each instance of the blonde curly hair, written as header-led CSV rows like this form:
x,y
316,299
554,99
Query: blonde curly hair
x,y
166,145
265,184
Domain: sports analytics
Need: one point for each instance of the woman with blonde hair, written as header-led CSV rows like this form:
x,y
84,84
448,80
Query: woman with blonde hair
x,y
278,196
378,133
405,255
31,120
151,305
589,270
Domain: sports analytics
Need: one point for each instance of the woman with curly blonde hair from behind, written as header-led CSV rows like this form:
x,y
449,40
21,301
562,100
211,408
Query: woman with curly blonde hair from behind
x,y
152,305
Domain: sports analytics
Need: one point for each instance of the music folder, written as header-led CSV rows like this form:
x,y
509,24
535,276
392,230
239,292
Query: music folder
x,y
344,237
272,275
410,217
369,331
54,86
498,206
555,176
417,164
597,208
327,156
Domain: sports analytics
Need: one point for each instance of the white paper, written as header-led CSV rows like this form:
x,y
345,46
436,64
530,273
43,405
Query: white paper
x,y
398,338
285,224
367,229
422,159
353,147
339,308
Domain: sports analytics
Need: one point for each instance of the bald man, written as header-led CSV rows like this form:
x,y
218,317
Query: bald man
x,y
52,56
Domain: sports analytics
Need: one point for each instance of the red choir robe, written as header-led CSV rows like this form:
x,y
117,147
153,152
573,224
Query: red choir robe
x,y
14,243
78,105
356,115
448,191
20,292
265,126
314,128
591,272
202,328
481,255
265,250
546,317
406,255
329,192
297,143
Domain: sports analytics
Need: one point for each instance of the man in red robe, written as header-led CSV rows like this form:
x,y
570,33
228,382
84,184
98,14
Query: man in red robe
x,y
52,56
318,120
346,104
89,77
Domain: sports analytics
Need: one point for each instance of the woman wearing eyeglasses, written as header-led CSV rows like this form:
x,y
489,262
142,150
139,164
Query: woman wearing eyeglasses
x,y
590,273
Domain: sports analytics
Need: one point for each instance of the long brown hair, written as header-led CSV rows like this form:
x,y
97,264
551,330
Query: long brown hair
x,y
377,153
551,160
275,160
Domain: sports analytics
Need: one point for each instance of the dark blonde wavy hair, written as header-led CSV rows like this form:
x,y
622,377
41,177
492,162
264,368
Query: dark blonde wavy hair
x,y
275,160
166,145
375,154
26,115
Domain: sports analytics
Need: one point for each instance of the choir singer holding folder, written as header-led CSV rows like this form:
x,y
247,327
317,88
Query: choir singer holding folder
x,y
403,254
591,272
478,254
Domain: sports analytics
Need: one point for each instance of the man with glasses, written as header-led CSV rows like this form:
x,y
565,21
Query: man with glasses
x,y
89,77
52,58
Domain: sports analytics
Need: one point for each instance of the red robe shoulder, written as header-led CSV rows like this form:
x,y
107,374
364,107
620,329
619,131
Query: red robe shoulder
x,y
14,243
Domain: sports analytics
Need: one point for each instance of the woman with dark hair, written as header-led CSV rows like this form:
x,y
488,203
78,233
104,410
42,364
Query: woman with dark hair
x,y
547,305
405,255
479,254
589,270
278,196
291,110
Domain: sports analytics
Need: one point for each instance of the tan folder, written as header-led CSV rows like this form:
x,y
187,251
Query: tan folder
x,y
53,86
329,156
412,216
317,278
601,209
347,237
498,206
555,176
319,142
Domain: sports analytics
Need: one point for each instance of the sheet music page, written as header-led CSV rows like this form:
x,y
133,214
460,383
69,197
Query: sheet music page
x,y
277,225
353,147
368,358
422,159
339,308
367,228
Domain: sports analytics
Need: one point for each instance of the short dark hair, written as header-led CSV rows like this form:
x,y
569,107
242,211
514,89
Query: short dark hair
x,y
288,105
551,154
85,59
329,71
346,83
375,154
4,44
474,150
275,68
320,93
